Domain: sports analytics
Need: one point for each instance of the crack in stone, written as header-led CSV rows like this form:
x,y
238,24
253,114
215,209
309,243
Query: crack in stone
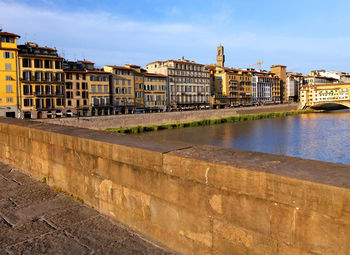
x,y
12,202
92,251
20,184
179,149
4,178
6,221
49,224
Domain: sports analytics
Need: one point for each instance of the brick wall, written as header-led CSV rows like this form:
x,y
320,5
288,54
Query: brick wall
x,y
193,199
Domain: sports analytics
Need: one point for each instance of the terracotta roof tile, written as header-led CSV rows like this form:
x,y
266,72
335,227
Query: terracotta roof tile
x,y
9,34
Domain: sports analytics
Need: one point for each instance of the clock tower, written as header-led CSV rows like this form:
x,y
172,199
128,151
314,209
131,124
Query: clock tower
x,y
220,57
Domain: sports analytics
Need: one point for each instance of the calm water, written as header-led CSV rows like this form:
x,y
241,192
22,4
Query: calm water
x,y
319,136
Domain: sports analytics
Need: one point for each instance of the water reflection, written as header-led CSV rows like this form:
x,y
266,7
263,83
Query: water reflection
x,y
319,136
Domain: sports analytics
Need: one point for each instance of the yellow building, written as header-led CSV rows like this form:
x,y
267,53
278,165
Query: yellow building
x,y
41,82
155,92
317,95
138,86
230,86
122,84
8,74
87,89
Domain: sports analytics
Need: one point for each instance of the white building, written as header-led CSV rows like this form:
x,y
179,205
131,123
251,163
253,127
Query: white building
x,y
262,83
293,84
189,82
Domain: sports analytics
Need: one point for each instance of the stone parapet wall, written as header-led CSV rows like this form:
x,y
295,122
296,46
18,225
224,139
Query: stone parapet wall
x,y
194,199
147,119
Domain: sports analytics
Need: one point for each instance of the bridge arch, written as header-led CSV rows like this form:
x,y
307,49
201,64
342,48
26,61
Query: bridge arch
x,y
335,105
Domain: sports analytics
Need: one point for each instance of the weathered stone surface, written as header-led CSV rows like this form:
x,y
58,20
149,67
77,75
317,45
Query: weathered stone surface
x,y
51,243
195,199
35,219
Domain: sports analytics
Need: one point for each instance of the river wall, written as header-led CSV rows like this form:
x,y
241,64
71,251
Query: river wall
x,y
194,199
147,119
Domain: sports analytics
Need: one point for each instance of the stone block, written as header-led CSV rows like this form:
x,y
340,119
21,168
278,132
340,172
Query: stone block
x,y
232,239
320,234
248,212
174,165
282,222
138,157
182,222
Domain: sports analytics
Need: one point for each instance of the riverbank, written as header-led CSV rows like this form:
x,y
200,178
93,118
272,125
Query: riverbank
x,y
149,119
206,122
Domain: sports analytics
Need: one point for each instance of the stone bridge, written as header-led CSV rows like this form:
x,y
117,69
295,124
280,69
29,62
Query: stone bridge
x,y
336,104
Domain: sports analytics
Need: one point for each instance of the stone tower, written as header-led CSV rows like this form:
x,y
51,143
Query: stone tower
x,y
281,72
220,57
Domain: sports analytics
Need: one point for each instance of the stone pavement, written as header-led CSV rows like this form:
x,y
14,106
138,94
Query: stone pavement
x,y
36,219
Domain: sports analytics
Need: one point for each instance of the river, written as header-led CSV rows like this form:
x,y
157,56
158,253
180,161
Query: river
x,y
319,136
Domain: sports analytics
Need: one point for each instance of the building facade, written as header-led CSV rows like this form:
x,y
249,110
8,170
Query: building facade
x,y
9,80
122,85
41,82
318,80
293,84
262,86
87,89
189,83
230,86
279,91
314,95
155,92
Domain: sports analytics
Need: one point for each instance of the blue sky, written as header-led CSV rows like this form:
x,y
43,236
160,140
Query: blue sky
x,y
303,35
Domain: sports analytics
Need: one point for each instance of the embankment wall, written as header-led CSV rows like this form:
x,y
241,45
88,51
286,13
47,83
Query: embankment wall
x,y
147,119
194,199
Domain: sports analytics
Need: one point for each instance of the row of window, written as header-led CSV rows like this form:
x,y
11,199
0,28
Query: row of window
x,y
189,67
123,101
123,90
77,102
7,39
99,101
8,99
41,76
7,54
99,88
43,103
122,82
190,88
152,103
192,99
187,73
43,90
84,85
154,79
83,94
123,72
151,98
69,76
39,63
150,87
189,80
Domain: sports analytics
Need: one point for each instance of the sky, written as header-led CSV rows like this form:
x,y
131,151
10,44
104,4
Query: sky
x,y
304,35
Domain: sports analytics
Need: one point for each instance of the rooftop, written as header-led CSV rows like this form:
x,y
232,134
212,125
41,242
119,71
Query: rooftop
x,y
8,34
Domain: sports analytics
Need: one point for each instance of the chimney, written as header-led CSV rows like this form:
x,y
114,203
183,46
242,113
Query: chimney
x,y
183,57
